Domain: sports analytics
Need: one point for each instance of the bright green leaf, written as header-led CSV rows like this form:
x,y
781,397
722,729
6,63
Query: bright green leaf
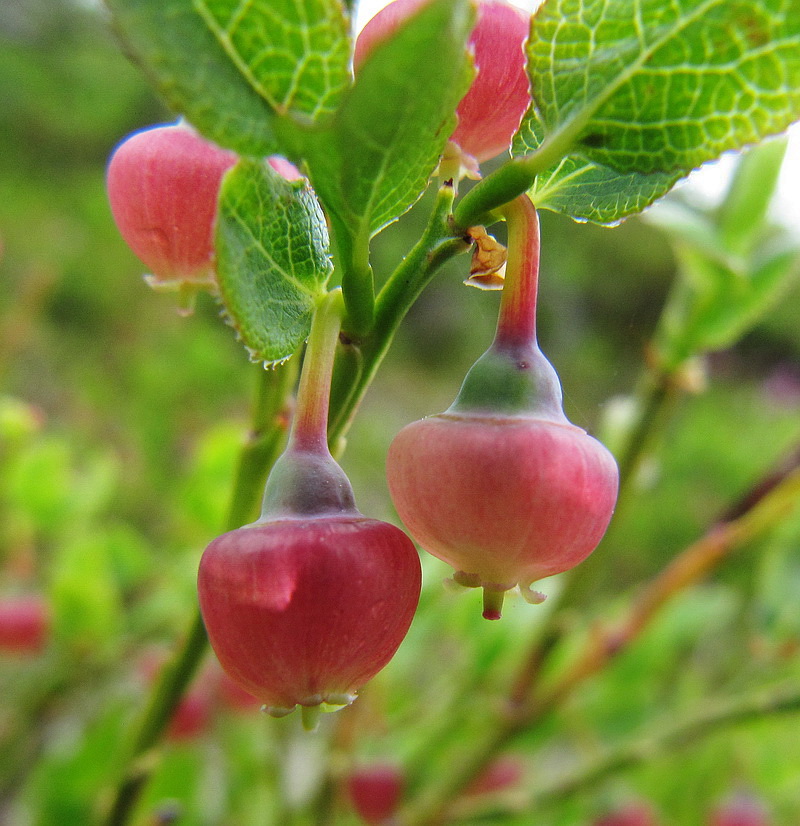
x,y
235,68
272,258
377,155
39,484
635,94
586,190
294,53
19,421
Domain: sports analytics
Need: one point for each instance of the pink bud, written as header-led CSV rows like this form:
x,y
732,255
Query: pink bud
x,y
491,111
501,774
632,814
507,500
24,624
306,611
501,485
375,792
163,183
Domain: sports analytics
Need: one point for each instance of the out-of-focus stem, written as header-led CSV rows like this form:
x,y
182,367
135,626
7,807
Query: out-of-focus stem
x,y
656,399
660,390
269,425
526,707
712,718
436,246
686,569
22,743
143,758
782,699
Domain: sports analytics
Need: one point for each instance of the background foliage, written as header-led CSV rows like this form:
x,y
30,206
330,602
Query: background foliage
x,y
119,428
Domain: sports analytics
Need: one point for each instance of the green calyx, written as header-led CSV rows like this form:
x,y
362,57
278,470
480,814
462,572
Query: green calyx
x,y
311,710
517,382
512,378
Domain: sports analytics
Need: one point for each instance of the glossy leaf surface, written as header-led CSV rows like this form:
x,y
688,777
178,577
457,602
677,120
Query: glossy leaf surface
x,y
272,258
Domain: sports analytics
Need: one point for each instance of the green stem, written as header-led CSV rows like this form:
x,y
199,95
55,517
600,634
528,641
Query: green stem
x,y
310,423
514,178
508,182
169,689
712,719
324,806
358,283
436,246
652,406
783,699
22,744
431,808
659,393
256,457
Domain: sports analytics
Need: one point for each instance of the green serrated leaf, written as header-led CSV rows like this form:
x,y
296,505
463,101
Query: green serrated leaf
x,y
294,53
272,258
646,86
585,190
235,69
376,157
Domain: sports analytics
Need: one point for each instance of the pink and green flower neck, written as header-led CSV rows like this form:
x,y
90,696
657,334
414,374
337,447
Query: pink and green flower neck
x,y
513,378
306,480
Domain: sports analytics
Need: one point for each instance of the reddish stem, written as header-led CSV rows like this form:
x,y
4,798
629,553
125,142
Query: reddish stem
x,y
516,325
310,425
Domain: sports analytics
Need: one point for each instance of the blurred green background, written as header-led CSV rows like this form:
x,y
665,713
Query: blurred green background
x,y
119,428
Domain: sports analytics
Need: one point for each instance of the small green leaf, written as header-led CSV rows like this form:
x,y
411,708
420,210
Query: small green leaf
x,y
376,157
235,69
733,264
650,86
585,190
272,258
715,305
720,293
742,214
